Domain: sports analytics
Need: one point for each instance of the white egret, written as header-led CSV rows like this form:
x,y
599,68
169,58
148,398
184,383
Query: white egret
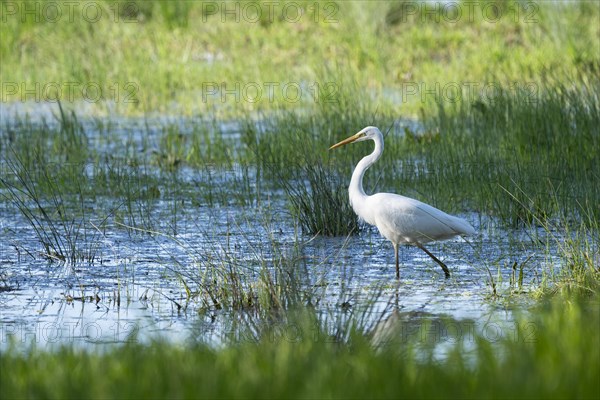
x,y
400,219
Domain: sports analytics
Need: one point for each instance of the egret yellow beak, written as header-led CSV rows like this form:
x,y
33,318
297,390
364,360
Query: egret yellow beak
x,y
351,139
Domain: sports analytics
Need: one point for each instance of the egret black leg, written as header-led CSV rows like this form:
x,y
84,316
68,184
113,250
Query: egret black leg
x,y
441,264
397,261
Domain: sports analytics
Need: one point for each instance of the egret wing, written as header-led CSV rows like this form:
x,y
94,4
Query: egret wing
x,y
405,220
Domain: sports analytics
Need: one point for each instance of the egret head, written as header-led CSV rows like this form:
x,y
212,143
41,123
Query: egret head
x,y
370,132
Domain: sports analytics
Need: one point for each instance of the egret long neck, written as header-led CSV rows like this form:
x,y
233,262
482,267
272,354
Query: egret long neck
x,y
356,191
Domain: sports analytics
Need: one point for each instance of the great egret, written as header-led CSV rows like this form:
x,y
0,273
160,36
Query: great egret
x,y
400,219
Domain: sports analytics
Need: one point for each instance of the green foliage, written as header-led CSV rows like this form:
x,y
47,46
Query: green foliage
x,y
552,353
524,152
270,280
141,57
519,154
319,201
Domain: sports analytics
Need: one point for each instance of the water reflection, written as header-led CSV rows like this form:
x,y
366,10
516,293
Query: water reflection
x,y
148,277
135,291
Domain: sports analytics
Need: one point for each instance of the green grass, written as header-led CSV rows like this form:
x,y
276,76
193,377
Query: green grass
x,y
319,201
516,155
502,154
524,153
527,160
192,51
265,279
524,158
552,352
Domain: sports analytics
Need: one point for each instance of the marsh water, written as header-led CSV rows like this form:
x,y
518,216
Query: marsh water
x,y
143,281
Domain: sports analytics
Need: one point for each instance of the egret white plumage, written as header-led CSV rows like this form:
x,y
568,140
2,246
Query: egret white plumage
x,y
400,219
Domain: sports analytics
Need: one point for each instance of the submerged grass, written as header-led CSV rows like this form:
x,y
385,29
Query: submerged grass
x,y
319,201
265,279
62,232
519,156
516,155
536,359
528,161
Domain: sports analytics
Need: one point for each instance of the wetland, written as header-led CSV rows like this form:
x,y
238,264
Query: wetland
x,y
187,244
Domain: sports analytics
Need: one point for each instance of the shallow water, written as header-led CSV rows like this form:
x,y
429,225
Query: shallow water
x,y
134,290
134,286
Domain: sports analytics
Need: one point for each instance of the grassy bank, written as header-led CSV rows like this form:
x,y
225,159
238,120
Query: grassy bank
x,y
552,353
232,58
